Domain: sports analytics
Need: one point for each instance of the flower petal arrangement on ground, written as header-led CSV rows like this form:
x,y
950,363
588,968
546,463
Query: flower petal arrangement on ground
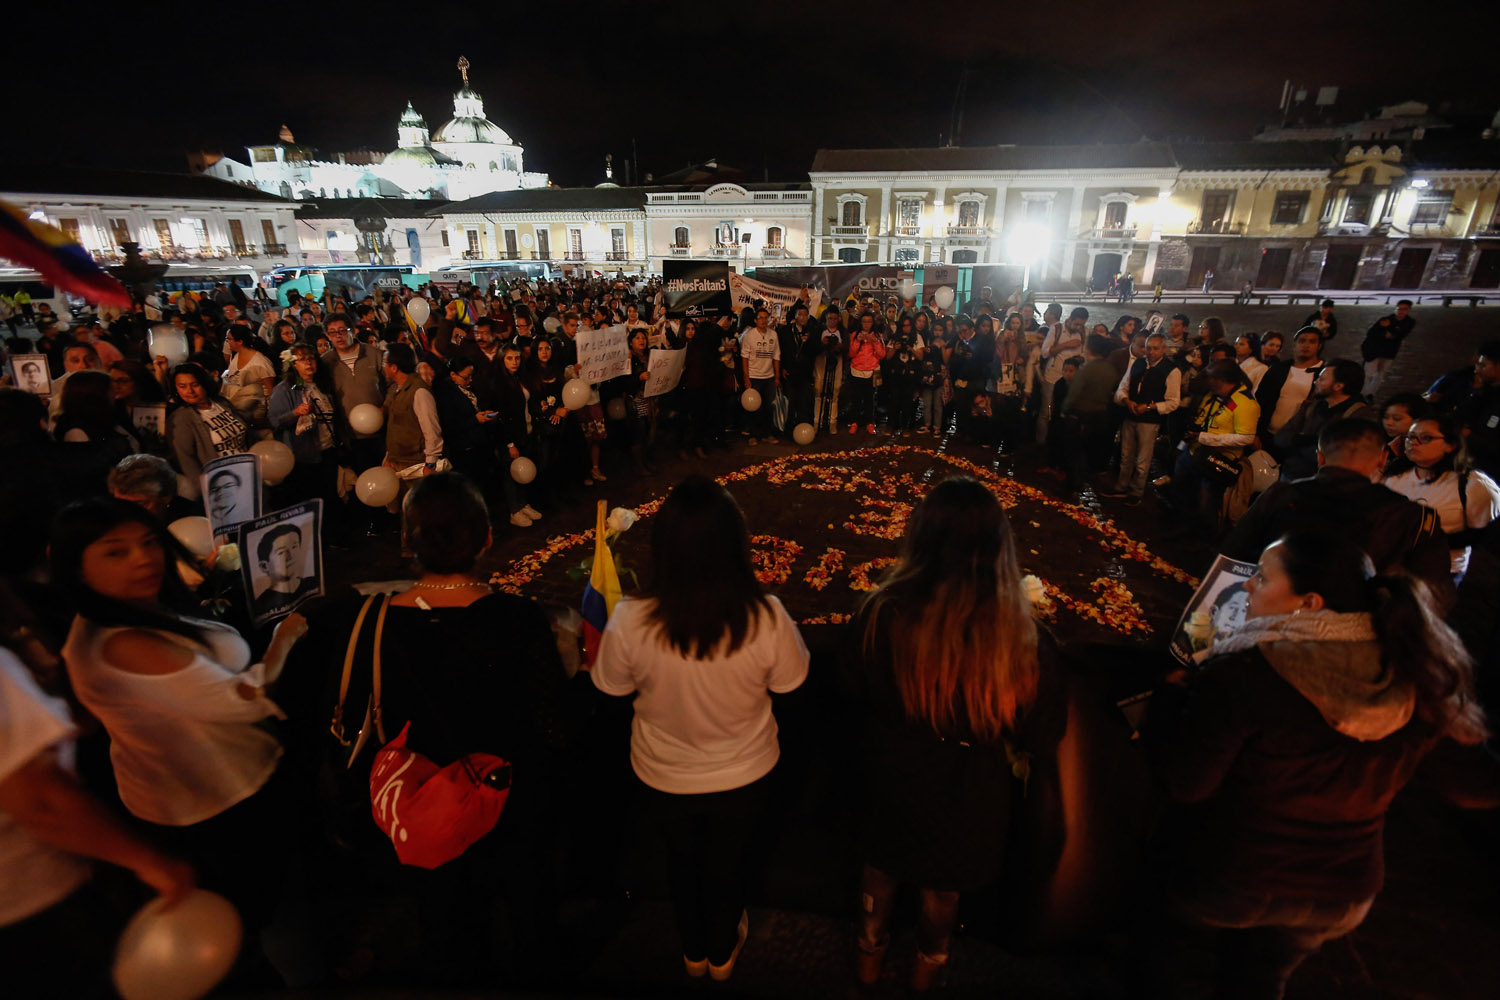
x,y
851,508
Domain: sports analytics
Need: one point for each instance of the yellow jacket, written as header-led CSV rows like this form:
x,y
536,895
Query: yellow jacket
x,y
1227,425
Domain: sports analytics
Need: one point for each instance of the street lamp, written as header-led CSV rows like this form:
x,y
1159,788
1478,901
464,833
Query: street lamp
x,y
1025,245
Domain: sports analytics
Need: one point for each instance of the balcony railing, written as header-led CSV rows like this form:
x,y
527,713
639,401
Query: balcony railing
x,y
773,251
617,255
908,230
725,250
473,255
968,231
541,255
274,249
510,255
574,255
1113,233
1490,230
1215,227
677,251
851,230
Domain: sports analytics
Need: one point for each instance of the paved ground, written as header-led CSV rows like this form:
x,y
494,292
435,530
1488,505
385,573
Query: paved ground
x,y
1430,935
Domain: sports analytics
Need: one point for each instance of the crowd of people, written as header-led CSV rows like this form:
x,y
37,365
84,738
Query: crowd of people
x,y
204,751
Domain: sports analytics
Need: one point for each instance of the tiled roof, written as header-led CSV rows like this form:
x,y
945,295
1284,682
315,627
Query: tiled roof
x,y
549,200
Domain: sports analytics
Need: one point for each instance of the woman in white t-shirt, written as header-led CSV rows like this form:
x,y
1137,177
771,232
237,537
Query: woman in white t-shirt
x,y
1443,478
250,378
179,697
703,652
201,427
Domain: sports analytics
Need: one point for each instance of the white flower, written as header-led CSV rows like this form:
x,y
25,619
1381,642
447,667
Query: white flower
x,y
1036,591
620,519
228,558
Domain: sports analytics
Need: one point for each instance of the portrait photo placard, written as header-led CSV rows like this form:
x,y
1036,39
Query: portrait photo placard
x,y
1219,606
281,560
30,373
231,492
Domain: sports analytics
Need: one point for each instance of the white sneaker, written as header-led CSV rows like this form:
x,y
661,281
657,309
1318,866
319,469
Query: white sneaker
x,y
531,512
520,520
719,973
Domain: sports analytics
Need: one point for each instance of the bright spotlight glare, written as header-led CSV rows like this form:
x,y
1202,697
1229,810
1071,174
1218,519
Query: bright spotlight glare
x,y
1419,183
1026,242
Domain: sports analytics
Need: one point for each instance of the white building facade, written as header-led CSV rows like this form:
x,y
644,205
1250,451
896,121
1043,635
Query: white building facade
x,y
751,225
174,217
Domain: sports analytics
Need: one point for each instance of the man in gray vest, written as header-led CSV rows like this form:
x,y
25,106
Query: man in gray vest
x,y
413,436
1151,389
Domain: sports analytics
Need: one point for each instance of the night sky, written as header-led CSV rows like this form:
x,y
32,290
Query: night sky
x,y
758,85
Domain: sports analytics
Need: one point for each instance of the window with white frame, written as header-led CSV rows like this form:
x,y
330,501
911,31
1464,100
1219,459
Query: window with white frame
x,y
575,243
1432,208
773,237
968,214
512,247
1038,210
268,232
909,214
163,233
617,242
543,242
907,255
119,231
852,214
851,255
472,235
680,236
199,229
1114,215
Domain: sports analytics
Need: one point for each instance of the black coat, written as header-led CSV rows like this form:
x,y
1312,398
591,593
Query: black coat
x,y
1396,533
936,810
1281,802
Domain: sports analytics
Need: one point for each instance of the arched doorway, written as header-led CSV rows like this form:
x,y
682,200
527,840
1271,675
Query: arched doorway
x,y
850,255
1106,266
966,256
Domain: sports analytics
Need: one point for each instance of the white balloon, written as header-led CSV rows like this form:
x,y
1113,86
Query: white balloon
x,y
179,952
908,289
943,297
803,433
165,340
195,534
551,325
750,400
522,469
366,418
276,460
575,394
616,409
418,310
377,486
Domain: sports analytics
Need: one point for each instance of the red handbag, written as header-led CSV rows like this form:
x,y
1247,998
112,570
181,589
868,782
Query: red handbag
x,y
430,814
433,814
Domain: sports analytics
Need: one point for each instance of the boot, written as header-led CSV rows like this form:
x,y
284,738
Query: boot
x,y
867,963
925,971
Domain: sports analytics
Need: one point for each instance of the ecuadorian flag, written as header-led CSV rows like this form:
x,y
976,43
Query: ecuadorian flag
x,y
61,262
600,594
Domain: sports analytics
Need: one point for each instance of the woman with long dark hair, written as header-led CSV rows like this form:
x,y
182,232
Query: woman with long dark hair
x,y
87,416
1442,476
178,696
703,650
1291,741
201,427
955,682
251,376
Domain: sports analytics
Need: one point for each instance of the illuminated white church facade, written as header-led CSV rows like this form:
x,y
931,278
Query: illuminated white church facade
x,y
467,156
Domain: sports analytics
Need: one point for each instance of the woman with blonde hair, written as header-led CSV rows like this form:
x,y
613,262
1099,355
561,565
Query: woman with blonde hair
x,y
960,698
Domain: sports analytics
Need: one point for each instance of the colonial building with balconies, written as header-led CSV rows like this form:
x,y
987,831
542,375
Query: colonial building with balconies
x,y
598,228
750,225
182,218
1304,214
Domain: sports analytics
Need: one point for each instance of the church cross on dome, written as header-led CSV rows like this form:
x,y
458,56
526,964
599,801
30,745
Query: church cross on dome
x,y
463,68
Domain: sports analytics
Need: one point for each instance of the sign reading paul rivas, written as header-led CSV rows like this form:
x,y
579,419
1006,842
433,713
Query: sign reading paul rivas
x,y
695,288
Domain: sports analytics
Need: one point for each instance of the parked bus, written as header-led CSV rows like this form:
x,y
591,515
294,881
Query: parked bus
x,y
481,272
310,280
